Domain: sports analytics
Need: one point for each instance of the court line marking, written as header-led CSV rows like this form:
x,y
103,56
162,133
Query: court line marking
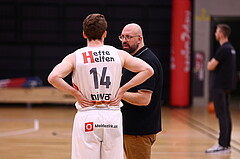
x,y
202,128
178,153
36,127
205,127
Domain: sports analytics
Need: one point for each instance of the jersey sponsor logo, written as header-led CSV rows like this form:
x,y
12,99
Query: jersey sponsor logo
x,y
101,96
100,56
88,126
105,126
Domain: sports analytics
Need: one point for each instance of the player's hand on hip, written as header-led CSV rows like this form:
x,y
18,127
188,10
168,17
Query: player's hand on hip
x,y
84,102
117,99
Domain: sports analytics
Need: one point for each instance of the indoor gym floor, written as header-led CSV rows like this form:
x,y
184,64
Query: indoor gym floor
x,y
44,132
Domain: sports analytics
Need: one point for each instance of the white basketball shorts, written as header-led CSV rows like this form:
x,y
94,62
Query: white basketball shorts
x,y
97,134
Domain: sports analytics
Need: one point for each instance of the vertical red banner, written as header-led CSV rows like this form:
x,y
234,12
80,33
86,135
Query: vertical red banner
x,y
180,53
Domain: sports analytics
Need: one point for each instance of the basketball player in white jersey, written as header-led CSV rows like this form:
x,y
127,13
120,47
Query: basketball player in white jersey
x,y
97,70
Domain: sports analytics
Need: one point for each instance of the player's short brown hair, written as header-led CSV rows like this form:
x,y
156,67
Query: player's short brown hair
x,y
94,26
225,29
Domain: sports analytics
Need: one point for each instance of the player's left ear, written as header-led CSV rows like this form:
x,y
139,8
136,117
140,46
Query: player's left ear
x,y
84,35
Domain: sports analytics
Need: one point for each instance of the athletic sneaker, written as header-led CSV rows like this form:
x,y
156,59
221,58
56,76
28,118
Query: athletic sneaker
x,y
218,149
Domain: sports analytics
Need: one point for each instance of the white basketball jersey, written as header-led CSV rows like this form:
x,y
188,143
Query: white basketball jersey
x,y
97,73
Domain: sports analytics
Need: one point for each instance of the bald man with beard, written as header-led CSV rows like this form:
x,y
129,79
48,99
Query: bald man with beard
x,y
142,104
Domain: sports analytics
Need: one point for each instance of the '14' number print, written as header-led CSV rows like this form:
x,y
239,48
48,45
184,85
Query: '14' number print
x,y
105,80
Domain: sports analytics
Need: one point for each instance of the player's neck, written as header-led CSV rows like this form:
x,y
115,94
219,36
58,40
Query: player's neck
x,y
95,43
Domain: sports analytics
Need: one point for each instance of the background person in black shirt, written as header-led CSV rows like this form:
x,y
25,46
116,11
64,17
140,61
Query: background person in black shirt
x,y
223,65
141,110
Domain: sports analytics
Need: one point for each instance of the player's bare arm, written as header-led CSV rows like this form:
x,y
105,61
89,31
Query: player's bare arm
x,y
135,65
59,72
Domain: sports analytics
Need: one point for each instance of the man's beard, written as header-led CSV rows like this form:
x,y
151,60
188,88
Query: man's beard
x,y
130,49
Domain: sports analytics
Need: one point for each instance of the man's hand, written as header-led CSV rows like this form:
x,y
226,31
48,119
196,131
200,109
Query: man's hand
x,y
84,102
117,99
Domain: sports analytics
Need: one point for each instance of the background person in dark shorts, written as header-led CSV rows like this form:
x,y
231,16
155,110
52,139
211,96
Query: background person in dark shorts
x,y
223,65
141,110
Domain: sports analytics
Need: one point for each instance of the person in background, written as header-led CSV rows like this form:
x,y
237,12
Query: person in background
x,y
223,67
96,74
142,104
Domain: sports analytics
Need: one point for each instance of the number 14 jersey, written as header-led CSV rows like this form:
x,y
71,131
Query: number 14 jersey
x,y
97,74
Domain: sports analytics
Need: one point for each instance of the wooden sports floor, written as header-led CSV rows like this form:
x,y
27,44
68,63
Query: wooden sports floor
x,y
44,132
